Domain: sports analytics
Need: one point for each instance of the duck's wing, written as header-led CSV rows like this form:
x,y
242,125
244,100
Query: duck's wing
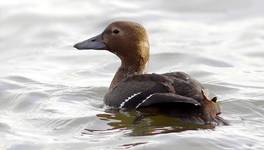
x,y
148,99
185,85
158,98
133,90
146,90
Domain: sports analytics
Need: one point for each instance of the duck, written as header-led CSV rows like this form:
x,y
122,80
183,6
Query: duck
x,y
175,93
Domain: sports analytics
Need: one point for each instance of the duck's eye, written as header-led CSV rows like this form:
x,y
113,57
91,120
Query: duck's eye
x,y
115,31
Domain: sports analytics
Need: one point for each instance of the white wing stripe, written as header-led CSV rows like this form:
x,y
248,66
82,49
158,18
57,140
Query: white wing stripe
x,y
144,100
129,98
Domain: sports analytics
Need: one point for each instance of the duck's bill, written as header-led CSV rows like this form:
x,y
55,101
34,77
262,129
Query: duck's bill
x,y
96,43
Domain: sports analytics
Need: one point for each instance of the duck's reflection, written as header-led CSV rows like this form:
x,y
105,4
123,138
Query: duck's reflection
x,y
139,124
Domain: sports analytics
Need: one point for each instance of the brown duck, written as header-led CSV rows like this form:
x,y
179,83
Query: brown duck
x,y
175,93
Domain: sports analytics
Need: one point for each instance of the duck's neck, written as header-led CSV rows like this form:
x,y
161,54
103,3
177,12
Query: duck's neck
x,y
127,69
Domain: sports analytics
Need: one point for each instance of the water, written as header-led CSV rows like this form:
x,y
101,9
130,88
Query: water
x,y
51,94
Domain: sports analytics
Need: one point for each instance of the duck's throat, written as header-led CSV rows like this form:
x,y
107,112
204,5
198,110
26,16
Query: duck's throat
x,y
126,70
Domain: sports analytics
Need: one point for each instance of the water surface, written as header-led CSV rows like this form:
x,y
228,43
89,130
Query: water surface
x,y
51,94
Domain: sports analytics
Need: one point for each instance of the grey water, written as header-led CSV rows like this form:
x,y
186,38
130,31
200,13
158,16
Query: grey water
x,y
51,94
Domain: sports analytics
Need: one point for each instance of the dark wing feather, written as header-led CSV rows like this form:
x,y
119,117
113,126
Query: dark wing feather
x,y
158,98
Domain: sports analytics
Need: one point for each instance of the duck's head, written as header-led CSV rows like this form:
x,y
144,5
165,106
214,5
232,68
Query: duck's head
x,y
128,40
